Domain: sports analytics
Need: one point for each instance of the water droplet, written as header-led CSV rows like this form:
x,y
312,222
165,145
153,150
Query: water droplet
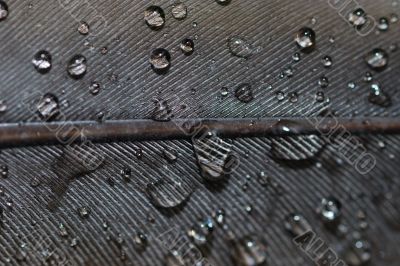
x,y
83,28
194,24
170,155
162,112
77,66
62,230
240,47
187,46
201,233
327,61
368,77
244,93
280,95
126,173
351,85
42,61
394,18
323,82
297,225
329,211
3,10
74,242
358,17
288,72
3,106
319,96
35,182
224,91
84,211
296,57
331,39
393,47
168,193
377,59
383,24
140,241
249,251
104,50
358,253
293,97
94,88
223,2
219,216
378,96
305,39
4,171
179,11
154,17
48,107
160,60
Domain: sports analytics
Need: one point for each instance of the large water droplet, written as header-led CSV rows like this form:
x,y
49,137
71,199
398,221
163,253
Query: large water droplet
x,y
249,251
42,61
3,10
377,59
378,96
295,148
48,107
187,46
154,17
77,66
167,193
240,47
179,11
160,60
244,93
358,17
305,39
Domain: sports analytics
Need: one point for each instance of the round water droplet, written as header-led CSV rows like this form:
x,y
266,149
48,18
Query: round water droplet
x,y
377,59
94,88
319,96
368,77
35,182
83,28
244,93
296,57
179,11
323,82
240,47
223,2
77,66
351,85
140,241
42,61
327,61
168,193
305,39
3,10
394,18
126,174
280,95
219,216
297,225
224,91
330,211
48,107
154,17
358,17
383,24
160,60
378,97
187,46
3,106
293,97
62,230
4,171
249,251
84,211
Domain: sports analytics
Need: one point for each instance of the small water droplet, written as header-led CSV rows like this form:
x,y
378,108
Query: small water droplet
x,y
323,82
331,39
3,10
179,11
329,211
4,171
368,77
224,91
320,96
160,60
280,95
394,18
140,241
297,225
358,253
327,61
74,242
293,97
351,85
223,2
154,17
219,216
244,93
249,251
296,57
194,24
94,88
378,97
168,193
84,211
383,24
305,39
83,28
62,230
3,106
35,182
358,17
187,46
240,47
48,107
201,233
170,155
42,62
377,59
77,66
126,174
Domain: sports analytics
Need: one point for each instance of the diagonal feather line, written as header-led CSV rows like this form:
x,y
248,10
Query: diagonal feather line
x,y
65,133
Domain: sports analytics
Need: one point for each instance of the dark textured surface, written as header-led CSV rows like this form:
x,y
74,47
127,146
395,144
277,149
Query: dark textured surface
x,y
129,87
